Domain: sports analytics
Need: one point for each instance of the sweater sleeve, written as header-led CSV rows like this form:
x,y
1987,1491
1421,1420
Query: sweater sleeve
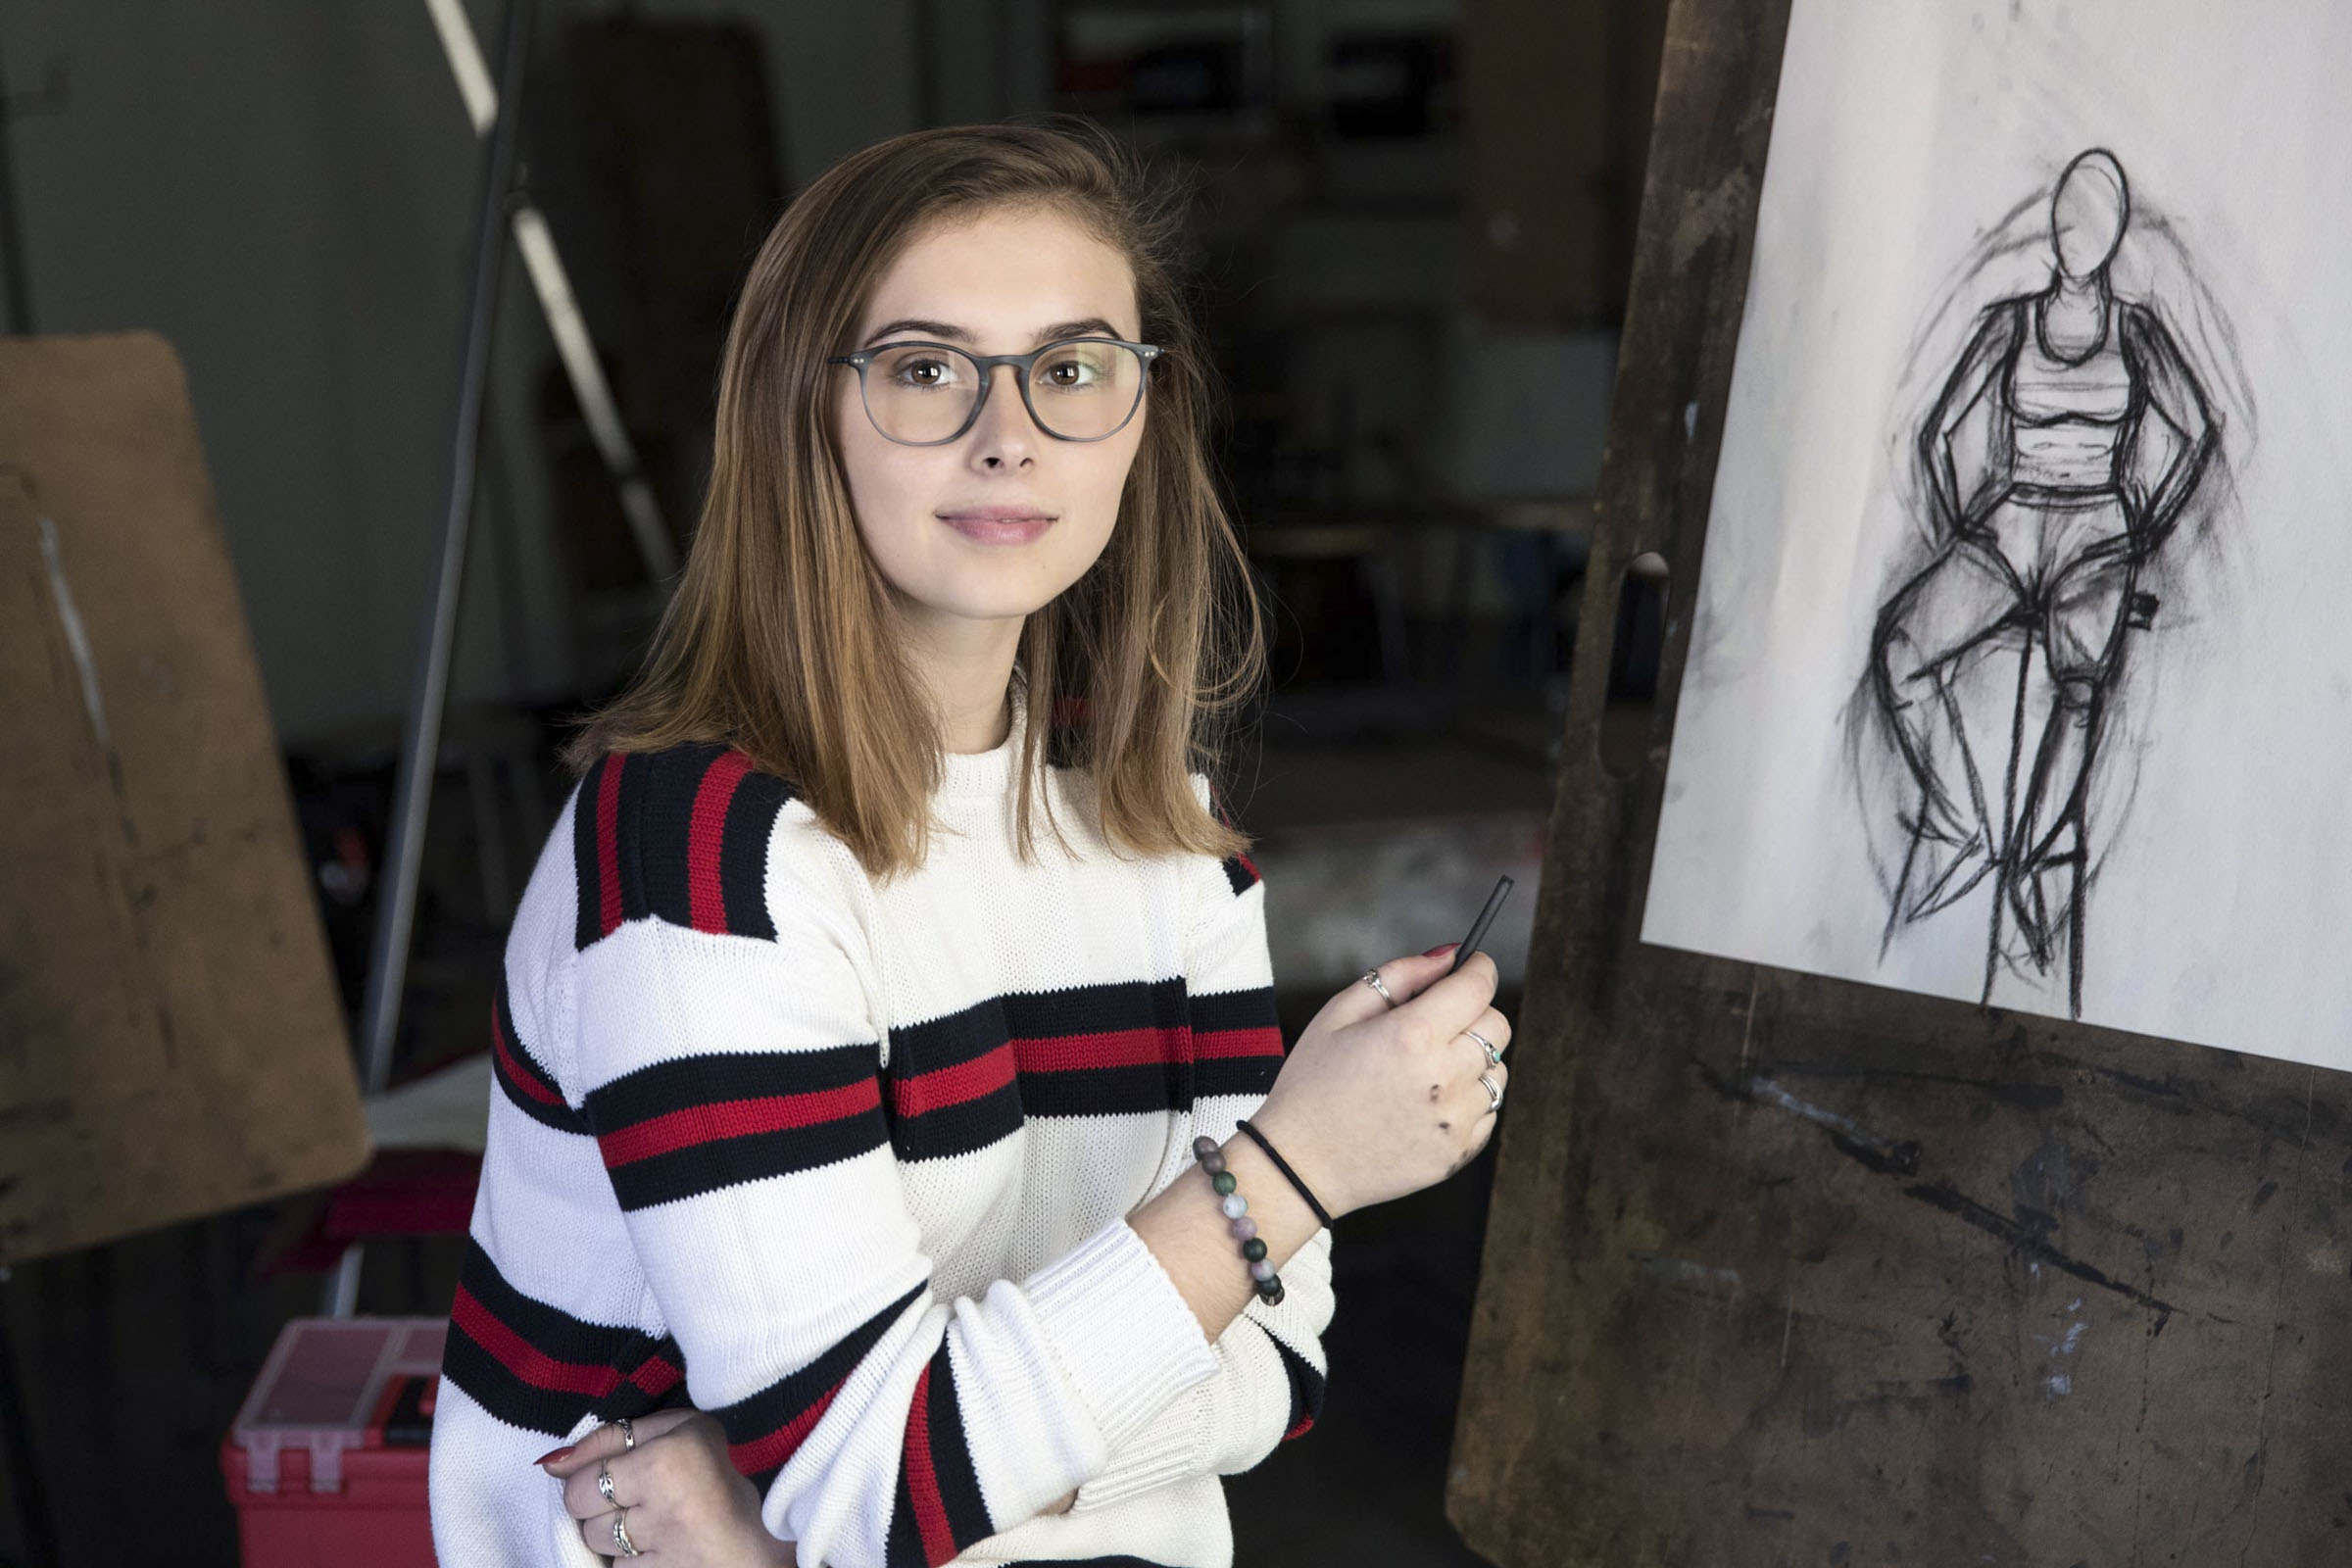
x,y
732,1073
1268,1384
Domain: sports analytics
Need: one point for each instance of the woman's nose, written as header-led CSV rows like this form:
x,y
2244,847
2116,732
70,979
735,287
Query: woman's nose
x,y
1004,435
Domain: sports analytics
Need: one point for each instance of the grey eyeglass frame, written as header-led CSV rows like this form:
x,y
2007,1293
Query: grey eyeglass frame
x,y
1148,353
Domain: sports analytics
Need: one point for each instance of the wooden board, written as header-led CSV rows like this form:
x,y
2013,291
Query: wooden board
x,y
1789,1270
1556,109
171,1040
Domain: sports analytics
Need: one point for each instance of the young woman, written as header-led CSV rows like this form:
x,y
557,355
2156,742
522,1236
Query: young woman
x,y
835,1101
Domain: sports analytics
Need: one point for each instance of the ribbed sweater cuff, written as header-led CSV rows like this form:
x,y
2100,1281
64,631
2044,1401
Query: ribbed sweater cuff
x,y
1167,1449
1121,1330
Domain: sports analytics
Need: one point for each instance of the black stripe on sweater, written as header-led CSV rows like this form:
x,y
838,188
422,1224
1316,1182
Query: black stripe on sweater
x,y
960,1040
586,864
936,1508
743,853
529,1087
929,1059
1098,1008
1236,1075
952,1457
535,1366
958,1129
1306,1387
628,830
660,836
1229,1011
694,1124
660,858
1240,871
765,1429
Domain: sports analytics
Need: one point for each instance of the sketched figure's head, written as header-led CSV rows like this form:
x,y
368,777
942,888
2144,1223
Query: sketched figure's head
x,y
2089,212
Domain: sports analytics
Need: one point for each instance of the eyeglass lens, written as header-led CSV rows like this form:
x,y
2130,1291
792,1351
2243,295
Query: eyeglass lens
x,y
1080,391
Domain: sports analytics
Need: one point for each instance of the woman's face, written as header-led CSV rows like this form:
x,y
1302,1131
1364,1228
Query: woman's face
x,y
1001,282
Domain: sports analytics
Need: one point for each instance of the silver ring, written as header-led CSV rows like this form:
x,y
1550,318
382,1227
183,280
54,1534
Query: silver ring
x,y
1372,978
621,1534
1493,1095
603,1484
1493,1056
628,1434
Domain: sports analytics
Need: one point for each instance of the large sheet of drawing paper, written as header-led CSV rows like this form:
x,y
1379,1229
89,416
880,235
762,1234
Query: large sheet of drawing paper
x,y
2021,669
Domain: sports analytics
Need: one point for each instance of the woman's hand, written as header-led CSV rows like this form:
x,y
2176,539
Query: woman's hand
x,y
1374,1101
684,1500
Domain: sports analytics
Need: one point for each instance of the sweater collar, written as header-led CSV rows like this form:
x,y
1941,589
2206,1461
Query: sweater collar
x,y
988,773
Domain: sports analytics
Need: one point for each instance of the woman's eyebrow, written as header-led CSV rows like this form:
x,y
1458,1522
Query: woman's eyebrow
x,y
1085,326
910,323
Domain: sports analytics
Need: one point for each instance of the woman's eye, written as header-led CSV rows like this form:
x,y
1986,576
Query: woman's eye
x,y
921,373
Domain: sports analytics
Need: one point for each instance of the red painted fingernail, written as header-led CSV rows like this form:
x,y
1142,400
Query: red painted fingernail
x,y
555,1455
1439,952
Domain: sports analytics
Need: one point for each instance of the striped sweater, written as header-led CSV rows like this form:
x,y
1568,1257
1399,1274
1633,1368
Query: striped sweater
x,y
847,1165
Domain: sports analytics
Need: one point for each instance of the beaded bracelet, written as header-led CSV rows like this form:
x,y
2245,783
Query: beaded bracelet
x,y
1244,1228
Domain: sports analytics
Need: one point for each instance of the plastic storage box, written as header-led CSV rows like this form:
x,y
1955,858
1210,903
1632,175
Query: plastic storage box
x,y
326,1461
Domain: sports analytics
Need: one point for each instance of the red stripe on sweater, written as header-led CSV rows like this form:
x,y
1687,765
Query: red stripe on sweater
x,y
516,1072
1116,1048
658,1376
736,1118
608,845
524,1360
1301,1430
922,1479
1265,1041
943,1087
771,1452
712,797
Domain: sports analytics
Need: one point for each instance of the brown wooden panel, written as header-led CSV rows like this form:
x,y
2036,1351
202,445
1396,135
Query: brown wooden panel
x,y
170,1042
1783,1270
1557,99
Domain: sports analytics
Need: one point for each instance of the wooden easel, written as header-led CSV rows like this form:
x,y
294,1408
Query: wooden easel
x,y
1781,1269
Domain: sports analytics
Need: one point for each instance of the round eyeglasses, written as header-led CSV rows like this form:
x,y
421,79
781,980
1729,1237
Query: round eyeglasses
x,y
929,394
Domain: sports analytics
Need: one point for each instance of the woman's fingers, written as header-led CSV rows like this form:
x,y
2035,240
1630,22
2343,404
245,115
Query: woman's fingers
x,y
598,1534
1497,1029
1407,979
583,1499
1447,1002
607,1441
1494,1026
1359,1001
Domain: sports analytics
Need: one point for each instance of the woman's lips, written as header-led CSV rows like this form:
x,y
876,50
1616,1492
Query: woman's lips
x,y
998,525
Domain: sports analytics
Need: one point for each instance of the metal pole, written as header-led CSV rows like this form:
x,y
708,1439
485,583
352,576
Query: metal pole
x,y
12,243
421,744
564,323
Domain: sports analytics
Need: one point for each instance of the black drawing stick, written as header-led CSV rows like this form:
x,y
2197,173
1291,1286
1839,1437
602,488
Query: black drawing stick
x,y
1486,917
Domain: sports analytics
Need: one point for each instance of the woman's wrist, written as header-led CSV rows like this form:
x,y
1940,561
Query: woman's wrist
x,y
1298,1151
1285,1223
1189,1231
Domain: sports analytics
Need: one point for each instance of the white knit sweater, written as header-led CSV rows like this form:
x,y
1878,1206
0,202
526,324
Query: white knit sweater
x,y
847,1165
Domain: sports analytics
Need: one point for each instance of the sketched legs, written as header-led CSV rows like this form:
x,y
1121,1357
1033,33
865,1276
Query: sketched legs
x,y
1994,671
1935,649
2064,702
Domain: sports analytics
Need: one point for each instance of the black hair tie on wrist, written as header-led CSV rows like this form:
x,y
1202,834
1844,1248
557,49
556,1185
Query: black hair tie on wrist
x,y
1284,1166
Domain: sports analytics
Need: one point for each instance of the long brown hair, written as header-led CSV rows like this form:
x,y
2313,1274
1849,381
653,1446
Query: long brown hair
x,y
778,642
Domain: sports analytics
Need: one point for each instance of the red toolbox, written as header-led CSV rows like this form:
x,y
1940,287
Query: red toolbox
x,y
326,1461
